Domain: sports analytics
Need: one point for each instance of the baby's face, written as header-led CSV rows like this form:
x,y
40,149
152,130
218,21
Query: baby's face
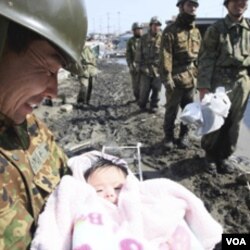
x,y
107,182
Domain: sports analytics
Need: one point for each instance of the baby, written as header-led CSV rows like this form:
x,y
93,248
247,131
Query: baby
x,y
107,178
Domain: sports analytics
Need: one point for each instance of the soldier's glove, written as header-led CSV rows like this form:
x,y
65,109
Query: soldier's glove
x,y
170,84
132,67
203,91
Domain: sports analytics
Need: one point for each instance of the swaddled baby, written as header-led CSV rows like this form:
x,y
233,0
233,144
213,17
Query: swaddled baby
x,y
105,207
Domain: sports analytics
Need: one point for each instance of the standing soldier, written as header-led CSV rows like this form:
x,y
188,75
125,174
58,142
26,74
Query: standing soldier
x,y
86,79
147,62
132,44
224,60
178,58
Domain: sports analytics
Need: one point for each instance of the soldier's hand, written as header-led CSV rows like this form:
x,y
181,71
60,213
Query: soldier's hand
x,y
131,67
170,84
203,91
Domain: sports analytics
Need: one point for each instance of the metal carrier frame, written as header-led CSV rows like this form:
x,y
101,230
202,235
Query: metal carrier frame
x,y
138,147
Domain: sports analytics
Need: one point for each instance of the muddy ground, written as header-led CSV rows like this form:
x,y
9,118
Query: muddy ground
x,y
112,118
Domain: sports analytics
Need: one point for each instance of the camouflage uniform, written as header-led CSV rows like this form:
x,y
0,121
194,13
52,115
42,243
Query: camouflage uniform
x,y
31,165
147,61
88,61
223,61
132,44
179,51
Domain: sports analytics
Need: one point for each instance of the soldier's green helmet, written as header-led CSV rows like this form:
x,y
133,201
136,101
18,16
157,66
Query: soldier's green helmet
x,y
136,25
183,1
155,20
62,22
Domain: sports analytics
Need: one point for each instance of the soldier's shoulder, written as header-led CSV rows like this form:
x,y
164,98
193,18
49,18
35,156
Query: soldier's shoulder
x,y
130,39
248,21
144,37
170,28
36,127
218,25
3,163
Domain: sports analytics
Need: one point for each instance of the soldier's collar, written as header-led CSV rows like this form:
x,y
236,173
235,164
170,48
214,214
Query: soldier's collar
x,y
5,122
230,24
18,132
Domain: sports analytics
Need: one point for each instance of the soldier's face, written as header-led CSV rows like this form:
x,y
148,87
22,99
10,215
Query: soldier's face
x,y
28,77
237,7
190,7
155,28
138,32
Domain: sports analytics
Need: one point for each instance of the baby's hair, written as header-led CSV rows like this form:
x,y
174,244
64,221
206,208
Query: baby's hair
x,y
102,163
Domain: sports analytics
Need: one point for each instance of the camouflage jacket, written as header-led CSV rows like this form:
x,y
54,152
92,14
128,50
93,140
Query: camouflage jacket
x,y
147,54
31,165
132,44
179,51
225,52
88,61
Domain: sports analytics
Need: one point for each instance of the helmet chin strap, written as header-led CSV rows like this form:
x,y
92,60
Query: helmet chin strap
x,y
4,23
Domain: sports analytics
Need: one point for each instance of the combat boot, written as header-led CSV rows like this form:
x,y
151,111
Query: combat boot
x,y
154,110
169,142
225,167
210,166
183,142
81,96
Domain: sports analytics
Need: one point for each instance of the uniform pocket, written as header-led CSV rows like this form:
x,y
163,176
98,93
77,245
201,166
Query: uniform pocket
x,y
182,42
195,44
184,79
156,51
47,178
15,225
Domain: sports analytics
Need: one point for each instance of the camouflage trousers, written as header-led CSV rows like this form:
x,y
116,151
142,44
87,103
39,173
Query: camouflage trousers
x,y
135,79
149,84
85,91
178,97
220,144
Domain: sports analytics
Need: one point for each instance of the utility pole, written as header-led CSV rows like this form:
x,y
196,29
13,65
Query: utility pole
x,y
94,25
108,18
100,26
119,23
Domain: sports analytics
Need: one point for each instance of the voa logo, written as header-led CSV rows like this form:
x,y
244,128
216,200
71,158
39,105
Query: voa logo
x,y
236,241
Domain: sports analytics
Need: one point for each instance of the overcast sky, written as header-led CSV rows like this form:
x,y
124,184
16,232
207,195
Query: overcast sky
x,y
118,15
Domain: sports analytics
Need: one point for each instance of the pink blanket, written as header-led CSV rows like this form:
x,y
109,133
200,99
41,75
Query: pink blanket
x,y
156,214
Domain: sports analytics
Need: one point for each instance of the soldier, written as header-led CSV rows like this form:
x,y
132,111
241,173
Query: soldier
x,y
34,45
86,79
147,63
224,60
132,44
178,57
